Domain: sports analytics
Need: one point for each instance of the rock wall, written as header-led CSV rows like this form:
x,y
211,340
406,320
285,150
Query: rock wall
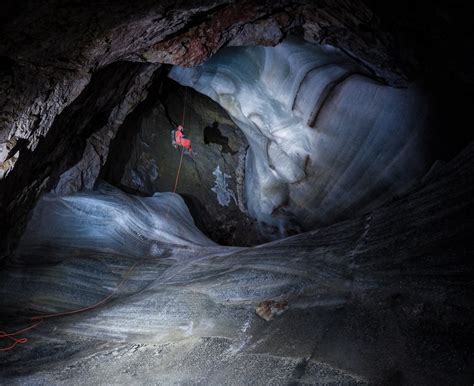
x,y
69,156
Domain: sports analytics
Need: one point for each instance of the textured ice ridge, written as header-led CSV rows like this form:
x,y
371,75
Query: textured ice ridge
x,y
325,139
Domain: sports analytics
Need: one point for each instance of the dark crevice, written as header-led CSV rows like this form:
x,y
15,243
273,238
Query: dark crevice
x,y
212,134
310,71
120,147
368,69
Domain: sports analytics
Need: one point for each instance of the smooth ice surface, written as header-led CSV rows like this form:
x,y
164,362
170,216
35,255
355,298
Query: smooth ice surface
x,y
326,141
108,219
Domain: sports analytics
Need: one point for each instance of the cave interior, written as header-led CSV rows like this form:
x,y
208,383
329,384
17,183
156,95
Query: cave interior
x,y
318,232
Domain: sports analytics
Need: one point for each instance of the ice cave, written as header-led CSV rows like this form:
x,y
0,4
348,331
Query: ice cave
x,y
236,193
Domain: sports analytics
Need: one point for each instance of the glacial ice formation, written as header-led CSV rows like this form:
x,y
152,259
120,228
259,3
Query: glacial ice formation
x,y
95,235
386,285
108,218
326,140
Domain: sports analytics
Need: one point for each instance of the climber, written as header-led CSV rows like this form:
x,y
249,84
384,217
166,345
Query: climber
x,y
178,139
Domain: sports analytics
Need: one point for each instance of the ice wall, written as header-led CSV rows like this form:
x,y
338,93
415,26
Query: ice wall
x,y
326,140
77,247
110,221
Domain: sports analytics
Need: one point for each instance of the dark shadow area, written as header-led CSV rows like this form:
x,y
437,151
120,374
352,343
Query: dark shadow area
x,y
433,41
212,134
121,146
198,211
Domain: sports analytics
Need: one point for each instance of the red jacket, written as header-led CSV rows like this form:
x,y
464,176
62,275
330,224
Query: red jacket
x,y
181,140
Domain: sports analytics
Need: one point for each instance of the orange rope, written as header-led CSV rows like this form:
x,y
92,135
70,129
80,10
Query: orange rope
x,y
40,318
184,106
12,335
179,170
178,173
91,307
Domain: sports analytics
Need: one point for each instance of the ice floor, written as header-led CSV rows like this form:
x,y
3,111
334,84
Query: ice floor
x,y
382,298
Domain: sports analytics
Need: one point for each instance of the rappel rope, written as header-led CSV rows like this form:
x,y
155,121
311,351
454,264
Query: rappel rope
x,y
182,148
38,319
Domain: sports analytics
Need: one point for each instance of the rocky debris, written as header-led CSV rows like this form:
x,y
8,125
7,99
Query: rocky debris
x,y
269,309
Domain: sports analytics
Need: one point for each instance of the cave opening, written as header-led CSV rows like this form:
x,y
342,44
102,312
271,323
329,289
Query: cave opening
x,y
320,231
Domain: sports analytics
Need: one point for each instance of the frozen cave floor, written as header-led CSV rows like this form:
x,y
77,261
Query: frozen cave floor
x,y
385,298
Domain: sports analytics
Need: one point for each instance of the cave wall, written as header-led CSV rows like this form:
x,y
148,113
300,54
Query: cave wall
x,y
70,155
385,298
48,52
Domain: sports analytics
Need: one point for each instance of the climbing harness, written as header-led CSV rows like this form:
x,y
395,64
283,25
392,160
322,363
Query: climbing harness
x,y
38,319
